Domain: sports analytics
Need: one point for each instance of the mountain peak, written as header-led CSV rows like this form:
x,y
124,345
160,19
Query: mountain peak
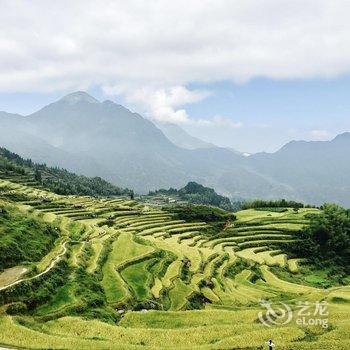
x,y
79,96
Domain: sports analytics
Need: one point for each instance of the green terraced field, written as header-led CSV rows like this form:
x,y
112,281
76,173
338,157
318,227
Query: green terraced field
x,y
123,275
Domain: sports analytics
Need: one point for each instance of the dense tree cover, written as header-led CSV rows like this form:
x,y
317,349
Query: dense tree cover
x,y
35,292
68,183
56,179
23,238
267,204
326,241
216,218
198,194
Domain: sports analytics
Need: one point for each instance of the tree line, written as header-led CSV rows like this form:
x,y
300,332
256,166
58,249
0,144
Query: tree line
x,y
197,194
326,241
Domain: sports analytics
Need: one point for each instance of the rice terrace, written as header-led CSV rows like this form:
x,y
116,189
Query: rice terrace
x,y
117,273
174,175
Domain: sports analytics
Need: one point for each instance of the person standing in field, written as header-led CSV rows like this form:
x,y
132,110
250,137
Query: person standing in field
x,y
270,344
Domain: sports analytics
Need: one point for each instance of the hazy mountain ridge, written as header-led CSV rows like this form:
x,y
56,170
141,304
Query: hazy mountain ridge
x,y
126,148
181,138
317,170
106,139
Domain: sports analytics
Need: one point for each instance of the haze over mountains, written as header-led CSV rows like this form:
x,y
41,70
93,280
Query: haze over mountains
x,y
181,138
105,139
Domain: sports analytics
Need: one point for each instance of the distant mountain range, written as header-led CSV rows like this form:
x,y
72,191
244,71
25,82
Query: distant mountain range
x,y
318,171
105,139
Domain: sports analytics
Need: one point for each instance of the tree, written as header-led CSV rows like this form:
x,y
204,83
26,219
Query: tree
x,y
327,239
37,175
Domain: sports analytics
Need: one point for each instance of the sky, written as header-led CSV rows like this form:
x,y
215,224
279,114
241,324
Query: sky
x,y
251,75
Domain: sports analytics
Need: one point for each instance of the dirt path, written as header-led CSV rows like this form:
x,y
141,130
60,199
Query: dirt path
x,y
52,264
11,275
3,347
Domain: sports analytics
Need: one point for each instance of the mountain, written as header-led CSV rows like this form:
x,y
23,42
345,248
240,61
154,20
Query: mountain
x,y
181,138
99,138
129,148
317,170
105,139
16,135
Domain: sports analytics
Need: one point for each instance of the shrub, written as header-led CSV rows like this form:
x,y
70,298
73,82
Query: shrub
x,y
16,308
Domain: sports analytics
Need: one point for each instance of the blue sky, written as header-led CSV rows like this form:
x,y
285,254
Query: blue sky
x,y
276,112
251,75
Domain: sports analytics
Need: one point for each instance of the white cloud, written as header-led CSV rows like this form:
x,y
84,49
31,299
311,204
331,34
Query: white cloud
x,y
163,105
320,134
150,51
70,45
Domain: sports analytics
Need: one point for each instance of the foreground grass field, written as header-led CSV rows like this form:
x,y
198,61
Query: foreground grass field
x,y
122,275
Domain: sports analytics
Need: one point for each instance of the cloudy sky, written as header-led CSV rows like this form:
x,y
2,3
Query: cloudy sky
x,y
247,74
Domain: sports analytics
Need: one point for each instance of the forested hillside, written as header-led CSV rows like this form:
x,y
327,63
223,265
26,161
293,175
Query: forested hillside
x,y
23,238
326,241
55,179
196,194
